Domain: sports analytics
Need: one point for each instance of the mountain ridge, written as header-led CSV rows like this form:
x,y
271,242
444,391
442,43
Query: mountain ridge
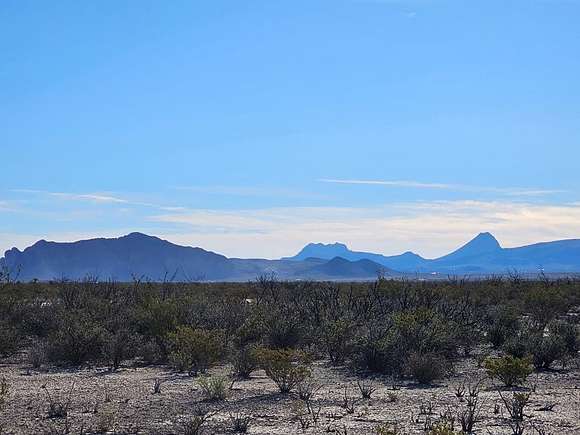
x,y
141,255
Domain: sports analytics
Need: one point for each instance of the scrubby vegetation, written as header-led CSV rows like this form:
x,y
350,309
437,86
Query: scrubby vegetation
x,y
411,331
508,369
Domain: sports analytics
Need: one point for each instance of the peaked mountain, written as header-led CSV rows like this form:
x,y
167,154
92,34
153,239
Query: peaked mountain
x,y
408,261
320,250
482,244
481,255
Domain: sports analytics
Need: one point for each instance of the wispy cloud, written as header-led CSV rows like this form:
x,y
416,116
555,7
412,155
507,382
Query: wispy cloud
x,y
429,228
8,206
93,197
89,197
99,198
509,191
249,191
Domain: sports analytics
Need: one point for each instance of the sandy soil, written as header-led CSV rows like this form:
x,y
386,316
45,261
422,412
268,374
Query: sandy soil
x,y
123,402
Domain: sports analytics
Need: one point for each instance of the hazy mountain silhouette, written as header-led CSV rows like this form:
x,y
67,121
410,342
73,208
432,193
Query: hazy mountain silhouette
x,y
483,254
132,255
404,262
483,244
339,267
140,255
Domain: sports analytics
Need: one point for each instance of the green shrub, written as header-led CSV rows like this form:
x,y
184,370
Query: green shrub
x,y
378,354
214,388
77,340
251,331
508,369
119,346
10,340
195,350
502,323
245,362
517,346
285,367
468,338
424,330
284,330
156,319
545,303
442,428
240,422
337,340
195,424
39,319
428,367
387,429
37,354
546,350
568,332
151,352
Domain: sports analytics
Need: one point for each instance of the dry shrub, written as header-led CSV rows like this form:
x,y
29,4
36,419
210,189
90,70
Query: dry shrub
x,y
195,350
214,388
508,369
286,367
428,367
245,361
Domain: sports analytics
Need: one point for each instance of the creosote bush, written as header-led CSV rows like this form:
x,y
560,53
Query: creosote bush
x,y
214,388
10,339
119,346
337,339
545,350
77,340
240,422
508,369
388,429
286,367
195,424
426,368
568,332
37,354
195,350
502,324
442,428
245,361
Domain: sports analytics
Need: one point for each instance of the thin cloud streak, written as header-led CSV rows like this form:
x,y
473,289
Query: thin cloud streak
x,y
93,197
101,198
428,228
250,191
509,191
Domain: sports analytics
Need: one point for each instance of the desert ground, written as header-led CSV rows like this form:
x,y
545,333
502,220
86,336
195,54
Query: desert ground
x,y
100,401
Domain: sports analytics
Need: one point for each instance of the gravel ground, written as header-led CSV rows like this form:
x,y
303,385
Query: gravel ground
x,y
123,402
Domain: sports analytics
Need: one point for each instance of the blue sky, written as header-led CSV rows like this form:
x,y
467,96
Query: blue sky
x,y
253,127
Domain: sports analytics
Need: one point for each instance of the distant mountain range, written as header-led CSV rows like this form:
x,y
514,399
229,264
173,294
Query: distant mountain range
x,y
481,255
141,256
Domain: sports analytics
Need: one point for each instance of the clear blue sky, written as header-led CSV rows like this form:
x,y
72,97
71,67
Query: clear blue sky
x,y
252,127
